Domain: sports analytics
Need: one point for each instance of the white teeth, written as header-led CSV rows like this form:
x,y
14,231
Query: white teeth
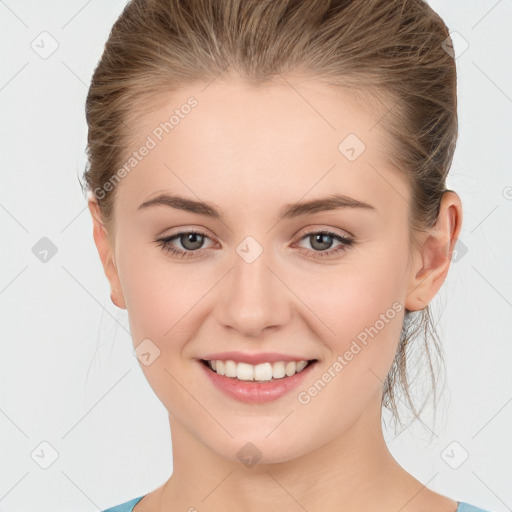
x,y
301,365
290,368
230,369
278,370
263,371
259,372
244,371
219,367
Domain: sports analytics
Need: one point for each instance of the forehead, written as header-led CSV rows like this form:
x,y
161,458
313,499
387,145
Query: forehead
x,y
230,140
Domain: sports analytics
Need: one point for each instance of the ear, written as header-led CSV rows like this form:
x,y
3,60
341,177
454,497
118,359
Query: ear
x,y
431,267
105,251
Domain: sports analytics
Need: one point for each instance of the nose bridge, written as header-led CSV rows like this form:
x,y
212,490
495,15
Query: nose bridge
x,y
253,298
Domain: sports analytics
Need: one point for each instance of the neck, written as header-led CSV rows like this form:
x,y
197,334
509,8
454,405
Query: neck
x,y
355,470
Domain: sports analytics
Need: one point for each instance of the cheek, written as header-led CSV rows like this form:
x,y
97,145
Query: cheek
x,y
352,297
362,306
367,327
163,302
159,293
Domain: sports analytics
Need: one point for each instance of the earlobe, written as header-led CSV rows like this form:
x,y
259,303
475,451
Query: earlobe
x,y
428,275
117,299
105,252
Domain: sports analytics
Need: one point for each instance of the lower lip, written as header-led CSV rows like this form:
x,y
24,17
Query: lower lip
x,y
256,392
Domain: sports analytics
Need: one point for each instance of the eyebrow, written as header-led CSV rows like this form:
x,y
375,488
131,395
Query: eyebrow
x,y
288,211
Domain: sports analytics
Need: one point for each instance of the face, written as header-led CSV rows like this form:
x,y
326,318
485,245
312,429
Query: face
x,y
329,283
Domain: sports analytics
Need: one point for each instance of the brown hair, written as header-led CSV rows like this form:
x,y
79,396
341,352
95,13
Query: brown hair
x,y
394,51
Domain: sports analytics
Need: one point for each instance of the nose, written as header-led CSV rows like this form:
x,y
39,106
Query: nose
x,y
253,297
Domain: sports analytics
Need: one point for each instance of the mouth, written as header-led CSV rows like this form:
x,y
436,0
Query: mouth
x,y
260,383
261,373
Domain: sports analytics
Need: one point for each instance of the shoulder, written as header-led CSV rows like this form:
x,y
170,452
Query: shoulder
x,y
124,507
466,507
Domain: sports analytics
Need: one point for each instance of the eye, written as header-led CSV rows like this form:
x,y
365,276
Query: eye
x,y
192,242
321,240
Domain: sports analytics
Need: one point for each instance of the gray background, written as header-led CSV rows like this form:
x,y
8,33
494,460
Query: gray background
x,y
68,376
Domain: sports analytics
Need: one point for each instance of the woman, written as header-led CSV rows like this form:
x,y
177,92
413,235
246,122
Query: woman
x,y
268,189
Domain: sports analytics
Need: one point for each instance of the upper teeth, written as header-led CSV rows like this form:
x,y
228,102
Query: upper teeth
x,y
263,371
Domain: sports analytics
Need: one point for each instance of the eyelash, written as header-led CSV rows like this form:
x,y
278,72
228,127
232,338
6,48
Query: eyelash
x,y
165,244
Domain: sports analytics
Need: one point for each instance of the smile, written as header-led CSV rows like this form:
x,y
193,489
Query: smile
x,y
256,384
263,372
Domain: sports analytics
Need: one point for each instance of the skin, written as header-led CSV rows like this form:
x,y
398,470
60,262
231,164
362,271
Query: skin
x,y
250,151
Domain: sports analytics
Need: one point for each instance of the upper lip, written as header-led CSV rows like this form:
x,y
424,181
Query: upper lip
x,y
261,357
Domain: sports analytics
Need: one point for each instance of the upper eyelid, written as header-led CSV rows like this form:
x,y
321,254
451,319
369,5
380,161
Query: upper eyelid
x,y
312,230
305,231
309,231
